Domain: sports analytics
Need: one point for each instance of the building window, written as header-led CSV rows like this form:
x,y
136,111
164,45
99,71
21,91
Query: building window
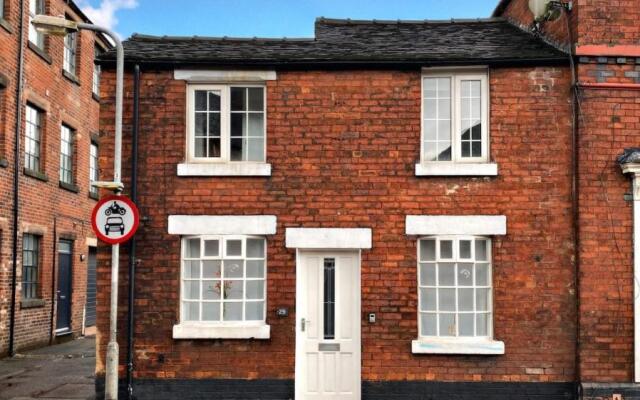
x,y
226,123
95,84
36,7
1,9
455,117
66,155
33,138
93,169
30,266
223,279
455,297
70,52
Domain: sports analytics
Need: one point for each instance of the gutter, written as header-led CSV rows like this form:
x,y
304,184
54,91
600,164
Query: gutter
x,y
610,86
16,181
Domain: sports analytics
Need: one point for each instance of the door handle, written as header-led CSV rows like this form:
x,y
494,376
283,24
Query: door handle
x,y
303,324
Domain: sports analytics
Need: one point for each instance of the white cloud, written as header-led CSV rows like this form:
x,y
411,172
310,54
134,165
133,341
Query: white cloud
x,y
105,14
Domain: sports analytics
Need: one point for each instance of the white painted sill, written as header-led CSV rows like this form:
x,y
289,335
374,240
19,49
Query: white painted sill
x,y
195,330
224,169
457,346
456,169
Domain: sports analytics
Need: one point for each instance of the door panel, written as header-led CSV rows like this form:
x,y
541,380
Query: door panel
x,y
328,329
63,314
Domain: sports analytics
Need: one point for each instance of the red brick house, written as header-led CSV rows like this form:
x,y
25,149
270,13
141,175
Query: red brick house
x,y
391,209
49,106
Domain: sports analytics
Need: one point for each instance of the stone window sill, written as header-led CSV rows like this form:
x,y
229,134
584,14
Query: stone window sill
x,y
6,25
456,169
68,186
224,169
477,346
32,303
196,330
71,77
36,174
40,52
95,96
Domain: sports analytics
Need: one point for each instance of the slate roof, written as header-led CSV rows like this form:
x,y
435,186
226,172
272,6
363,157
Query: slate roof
x,y
354,42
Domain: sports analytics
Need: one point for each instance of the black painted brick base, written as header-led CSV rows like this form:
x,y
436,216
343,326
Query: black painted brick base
x,y
606,391
273,389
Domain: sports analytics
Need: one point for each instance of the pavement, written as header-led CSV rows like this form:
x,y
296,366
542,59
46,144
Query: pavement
x,y
64,371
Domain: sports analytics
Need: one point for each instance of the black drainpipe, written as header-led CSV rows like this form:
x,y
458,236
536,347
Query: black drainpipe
x,y
132,243
16,167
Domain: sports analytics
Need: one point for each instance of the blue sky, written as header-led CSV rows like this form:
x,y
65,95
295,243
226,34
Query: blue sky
x,y
267,18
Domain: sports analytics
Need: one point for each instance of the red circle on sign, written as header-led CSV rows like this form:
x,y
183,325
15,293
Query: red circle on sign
x,y
136,220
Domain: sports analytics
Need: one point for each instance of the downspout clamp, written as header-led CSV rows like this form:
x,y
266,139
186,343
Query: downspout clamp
x,y
630,163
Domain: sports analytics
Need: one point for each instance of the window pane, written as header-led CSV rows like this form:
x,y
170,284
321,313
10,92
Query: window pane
x,y
431,109
211,311
211,248
482,299
193,248
237,149
238,123
444,151
255,290
466,324
430,130
201,100
256,99
233,311
201,124
214,124
233,289
446,274
482,274
211,269
465,274
190,311
427,274
465,249
214,100
465,299
233,269
214,147
211,290
255,150
255,269
256,125
255,248
428,250
255,311
191,290
476,149
481,250
428,324
428,300
234,247
192,269
430,88
446,249
446,299
201,148
482,325
329,298
238,100
447,324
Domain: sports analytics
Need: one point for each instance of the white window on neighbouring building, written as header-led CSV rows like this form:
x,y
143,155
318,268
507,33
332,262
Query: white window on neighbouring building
x,y
223,279
95,84
36,7
66,155
226,123
30,266
94,174
454,279
33,138
70,53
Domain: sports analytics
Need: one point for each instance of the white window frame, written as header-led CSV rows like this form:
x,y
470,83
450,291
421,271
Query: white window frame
x,y
70,53
66,154
35,37
457,344
225,123
458,165
95,83
94,169
252,329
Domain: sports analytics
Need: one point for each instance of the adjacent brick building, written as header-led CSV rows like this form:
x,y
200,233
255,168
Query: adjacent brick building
x,y
54,116
328,210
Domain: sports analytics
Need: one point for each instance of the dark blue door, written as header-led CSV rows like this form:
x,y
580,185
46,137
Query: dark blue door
x,y
63,320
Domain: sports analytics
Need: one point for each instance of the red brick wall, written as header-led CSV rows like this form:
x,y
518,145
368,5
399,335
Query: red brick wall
x,y
343,147
44,206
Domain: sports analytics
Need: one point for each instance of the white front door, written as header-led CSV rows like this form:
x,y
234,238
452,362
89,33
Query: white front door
x,y
328,325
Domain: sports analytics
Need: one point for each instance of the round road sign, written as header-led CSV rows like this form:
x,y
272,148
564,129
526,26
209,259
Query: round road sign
x,y
115,219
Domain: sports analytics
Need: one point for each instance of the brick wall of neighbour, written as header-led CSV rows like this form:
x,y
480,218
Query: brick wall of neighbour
x,y
45,208
343,145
